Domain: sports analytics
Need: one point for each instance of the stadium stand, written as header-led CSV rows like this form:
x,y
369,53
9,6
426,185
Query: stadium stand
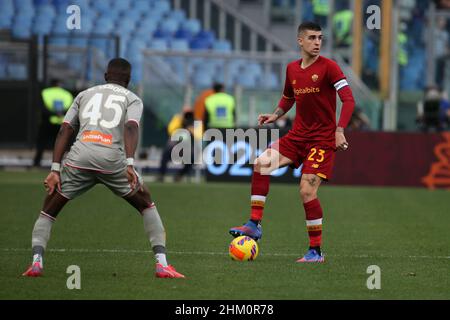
x,y
140,24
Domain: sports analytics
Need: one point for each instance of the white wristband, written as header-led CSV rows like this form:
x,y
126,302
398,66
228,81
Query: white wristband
x,y
56,167
130,162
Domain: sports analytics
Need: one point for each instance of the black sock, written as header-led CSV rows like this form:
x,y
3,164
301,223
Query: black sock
x,y
256,221
317,249
38,250
159,249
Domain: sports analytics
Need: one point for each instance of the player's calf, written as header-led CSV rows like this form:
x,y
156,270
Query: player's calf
x,y
39,239
155,232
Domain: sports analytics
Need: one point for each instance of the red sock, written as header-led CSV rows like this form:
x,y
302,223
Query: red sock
x,y
314,215
260,189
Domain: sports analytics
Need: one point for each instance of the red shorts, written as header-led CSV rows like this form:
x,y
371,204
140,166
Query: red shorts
x,y
317,157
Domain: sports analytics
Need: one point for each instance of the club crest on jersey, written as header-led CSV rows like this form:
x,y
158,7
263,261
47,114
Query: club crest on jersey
x,y
315,77
294,81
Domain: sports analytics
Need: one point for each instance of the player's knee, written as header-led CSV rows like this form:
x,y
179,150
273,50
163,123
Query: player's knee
x,y
146,201
263,163
143,205
140,200
307,193
257,165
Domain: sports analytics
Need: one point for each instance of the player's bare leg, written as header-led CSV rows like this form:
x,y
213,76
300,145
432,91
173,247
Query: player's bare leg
x,y
154,229
264,165
53,204
309,185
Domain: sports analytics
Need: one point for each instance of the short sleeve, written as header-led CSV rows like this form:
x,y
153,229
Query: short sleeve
x,y
336,76
71,116
134,111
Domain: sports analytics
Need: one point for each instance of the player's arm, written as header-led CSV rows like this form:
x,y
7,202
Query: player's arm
x,y
131,138
284,105
272,117
344,91
348,105
62,142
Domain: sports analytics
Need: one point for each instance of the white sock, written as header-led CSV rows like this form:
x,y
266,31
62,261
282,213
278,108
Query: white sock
x,y
153,227
41,231
161,258
37,258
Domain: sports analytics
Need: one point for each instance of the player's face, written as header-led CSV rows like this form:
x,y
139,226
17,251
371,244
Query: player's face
x,y
310,41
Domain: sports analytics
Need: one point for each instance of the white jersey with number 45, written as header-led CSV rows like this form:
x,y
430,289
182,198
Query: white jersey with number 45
x,y
100,113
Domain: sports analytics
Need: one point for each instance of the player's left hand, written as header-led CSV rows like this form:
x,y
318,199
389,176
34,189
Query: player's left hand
x,y
341,142
52,181
132,177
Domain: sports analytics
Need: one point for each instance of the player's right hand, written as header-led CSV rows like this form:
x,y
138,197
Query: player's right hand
x,y
266,118
132,177
52,181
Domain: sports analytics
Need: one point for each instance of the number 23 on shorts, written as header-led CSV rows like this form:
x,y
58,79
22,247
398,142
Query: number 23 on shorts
x,y
316,155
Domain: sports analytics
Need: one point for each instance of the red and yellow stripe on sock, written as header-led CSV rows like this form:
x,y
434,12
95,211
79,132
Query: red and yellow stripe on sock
x,y
314,228
257,204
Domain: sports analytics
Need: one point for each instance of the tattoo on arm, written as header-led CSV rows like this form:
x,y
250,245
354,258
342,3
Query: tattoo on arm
x,y
278,112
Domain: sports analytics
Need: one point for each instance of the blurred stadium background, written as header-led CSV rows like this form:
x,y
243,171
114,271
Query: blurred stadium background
x,y
179,48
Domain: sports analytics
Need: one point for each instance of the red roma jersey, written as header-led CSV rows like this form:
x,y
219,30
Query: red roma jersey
x,y
314,91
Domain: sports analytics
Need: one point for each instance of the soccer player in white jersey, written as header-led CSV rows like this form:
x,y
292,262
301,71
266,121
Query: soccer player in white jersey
x,y
106,121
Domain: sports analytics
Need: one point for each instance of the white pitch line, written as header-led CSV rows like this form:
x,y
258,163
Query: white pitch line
x,y
363,256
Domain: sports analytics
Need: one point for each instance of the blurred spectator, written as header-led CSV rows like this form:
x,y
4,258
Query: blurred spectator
x,y
183,120
54,104
359,120
445,110
342,28
199,105
441,45
220,109
433,112
402,42
321,9
442,4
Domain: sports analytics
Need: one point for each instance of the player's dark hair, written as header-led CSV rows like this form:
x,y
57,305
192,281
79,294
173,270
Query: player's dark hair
x,y
308,25
217,87
118,70
119,65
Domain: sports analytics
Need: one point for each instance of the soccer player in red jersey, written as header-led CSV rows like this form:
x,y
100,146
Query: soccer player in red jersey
x,y
312,83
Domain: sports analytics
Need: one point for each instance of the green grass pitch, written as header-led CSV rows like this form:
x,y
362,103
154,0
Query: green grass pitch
x,y
403,231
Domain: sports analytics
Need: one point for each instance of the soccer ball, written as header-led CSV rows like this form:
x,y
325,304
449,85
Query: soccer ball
x,y
243,248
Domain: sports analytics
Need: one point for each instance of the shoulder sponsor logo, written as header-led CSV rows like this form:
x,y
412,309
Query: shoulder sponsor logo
x,y
306,90
97,137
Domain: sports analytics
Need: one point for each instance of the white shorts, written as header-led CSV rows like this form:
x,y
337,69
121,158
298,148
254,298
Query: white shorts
x,y
75,182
